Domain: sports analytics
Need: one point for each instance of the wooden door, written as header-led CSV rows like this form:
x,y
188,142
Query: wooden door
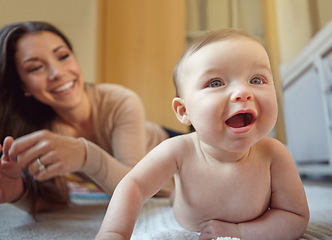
x,y
139,43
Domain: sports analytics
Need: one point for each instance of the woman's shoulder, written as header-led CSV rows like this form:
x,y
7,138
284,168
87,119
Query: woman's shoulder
x,y
111,94
109,89
113,100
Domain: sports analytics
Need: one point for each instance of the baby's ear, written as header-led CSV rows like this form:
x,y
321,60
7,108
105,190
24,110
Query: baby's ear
x,y
180,111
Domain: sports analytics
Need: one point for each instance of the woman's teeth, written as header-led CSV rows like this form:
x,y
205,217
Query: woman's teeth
x,y
64,87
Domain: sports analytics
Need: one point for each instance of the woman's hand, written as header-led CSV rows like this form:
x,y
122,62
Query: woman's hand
x,y
213,229
11,184
59,154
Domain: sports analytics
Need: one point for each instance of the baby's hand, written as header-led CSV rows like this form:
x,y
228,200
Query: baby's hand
x,y
5,149
109,236
226,238
11,184
213,229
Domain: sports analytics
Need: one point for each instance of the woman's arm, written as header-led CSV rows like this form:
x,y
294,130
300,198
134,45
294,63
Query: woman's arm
x,y
121,123
120,120
102,168
63,154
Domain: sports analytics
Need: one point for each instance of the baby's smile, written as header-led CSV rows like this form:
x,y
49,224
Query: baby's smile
x,y
240,120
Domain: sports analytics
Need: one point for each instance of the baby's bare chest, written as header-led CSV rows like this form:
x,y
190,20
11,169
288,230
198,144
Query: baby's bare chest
x,y
229,193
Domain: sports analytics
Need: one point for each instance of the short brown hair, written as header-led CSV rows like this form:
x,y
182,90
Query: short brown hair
x,y
204,40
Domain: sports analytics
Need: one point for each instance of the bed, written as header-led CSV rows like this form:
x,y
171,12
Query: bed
x,y
156,221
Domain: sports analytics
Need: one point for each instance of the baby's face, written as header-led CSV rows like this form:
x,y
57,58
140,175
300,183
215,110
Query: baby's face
x,y
229,93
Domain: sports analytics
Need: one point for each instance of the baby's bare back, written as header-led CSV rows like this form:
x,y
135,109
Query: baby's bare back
x,y
234,192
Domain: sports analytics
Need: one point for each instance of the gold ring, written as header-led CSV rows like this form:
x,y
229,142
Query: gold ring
x,y
41,166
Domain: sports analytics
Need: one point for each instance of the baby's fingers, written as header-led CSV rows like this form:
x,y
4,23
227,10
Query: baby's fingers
x,y
7,143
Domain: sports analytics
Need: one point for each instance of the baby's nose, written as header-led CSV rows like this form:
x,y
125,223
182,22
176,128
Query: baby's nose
x,y
242,93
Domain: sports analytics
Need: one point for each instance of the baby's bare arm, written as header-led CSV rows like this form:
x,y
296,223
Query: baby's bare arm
x,y
122,211
288,215
141,183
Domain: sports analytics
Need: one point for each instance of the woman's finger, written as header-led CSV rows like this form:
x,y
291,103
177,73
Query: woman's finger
x,y
36,166
50,171
26,142
38,146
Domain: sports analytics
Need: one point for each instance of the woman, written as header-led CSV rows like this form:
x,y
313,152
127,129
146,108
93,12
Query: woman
x,y
60,125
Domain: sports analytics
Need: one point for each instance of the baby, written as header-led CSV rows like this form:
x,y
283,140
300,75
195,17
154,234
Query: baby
x,y
230,179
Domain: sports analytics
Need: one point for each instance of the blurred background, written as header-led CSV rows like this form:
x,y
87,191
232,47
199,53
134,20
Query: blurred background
x,y
137,43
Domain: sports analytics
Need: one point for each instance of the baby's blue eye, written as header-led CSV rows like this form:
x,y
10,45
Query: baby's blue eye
x,y
256,80
216,83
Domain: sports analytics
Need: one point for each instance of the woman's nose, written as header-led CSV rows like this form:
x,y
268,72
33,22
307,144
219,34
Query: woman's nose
x,y
241,93
54,72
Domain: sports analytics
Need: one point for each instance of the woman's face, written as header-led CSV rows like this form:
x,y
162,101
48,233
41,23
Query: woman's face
x,y
49,71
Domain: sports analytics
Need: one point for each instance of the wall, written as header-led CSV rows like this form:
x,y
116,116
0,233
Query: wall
x,y
206,15
294,27
296,23
76,18
139,45
324,8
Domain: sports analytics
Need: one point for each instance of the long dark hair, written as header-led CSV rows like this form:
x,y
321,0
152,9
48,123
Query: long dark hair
x,y
20,115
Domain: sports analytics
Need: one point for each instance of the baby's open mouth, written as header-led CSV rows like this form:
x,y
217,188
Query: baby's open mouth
x,y
240,120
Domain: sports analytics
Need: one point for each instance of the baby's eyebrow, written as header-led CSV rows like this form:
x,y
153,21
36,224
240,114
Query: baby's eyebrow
x,y
264,66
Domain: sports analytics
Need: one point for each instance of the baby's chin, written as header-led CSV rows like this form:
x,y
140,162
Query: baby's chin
x,y
243,144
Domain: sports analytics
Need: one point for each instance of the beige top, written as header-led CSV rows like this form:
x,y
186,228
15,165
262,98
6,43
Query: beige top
x,y
122,136
118,119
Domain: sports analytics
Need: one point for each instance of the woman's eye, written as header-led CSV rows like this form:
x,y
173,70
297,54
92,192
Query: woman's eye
x,y
63,57
33,69
256,80
216,83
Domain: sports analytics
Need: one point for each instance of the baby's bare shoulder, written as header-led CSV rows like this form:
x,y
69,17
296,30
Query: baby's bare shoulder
x,y
269,142
271,146
177,145
277,152
180,141
274,151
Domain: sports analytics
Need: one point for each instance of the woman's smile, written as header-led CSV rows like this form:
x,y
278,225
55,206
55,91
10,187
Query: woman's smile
x,y
64,88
